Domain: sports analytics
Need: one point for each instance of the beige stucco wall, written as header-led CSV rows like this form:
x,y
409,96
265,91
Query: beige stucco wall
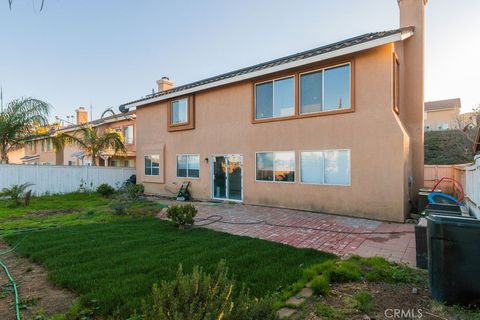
x,y
378,142
433,119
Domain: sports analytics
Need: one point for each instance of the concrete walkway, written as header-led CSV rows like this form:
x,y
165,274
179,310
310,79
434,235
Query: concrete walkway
x,y
330,233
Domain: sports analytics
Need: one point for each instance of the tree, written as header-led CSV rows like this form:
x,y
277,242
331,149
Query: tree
x,y
91,141
19,122
10,3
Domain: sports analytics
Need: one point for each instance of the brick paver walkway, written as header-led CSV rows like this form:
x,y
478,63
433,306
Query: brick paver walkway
x,y
330,233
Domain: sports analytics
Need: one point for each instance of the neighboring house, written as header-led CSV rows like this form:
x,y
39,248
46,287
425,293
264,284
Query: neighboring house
x,y
335,129
442,115
42,151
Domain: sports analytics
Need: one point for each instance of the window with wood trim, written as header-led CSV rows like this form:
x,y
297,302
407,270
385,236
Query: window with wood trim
x,y
396,85
181,114
311,92
152,165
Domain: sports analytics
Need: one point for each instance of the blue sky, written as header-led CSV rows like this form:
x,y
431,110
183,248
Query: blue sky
x,y
104,53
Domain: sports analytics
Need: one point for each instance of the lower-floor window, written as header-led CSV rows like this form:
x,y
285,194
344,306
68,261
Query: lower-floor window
x,y
152,165
325,167
275,166
188,166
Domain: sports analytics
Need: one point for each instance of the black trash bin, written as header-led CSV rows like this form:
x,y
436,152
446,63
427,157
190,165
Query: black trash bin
x,y
454,258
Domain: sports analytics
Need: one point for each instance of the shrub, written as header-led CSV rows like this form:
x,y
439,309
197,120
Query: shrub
x,y
119,206
203,296
105,190
182,215
327,312
134,191
320,285
16,192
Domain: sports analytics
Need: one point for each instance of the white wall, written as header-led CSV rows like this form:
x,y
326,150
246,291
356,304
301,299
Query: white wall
x,y
471,180
61,179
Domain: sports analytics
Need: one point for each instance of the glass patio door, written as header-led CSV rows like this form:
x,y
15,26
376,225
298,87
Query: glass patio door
x,y
227,180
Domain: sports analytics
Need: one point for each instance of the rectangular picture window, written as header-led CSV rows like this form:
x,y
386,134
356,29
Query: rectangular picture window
x,y
152,165
188,166
275,166
275,99
179,111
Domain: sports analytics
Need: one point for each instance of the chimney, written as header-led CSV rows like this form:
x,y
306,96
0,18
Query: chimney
x,y
164,84
82,115
411,54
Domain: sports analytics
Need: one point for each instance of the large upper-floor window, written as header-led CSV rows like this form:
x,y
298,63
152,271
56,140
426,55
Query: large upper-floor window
x,y
275,166
188,166
325,167
275,99
128,134
152,165
179,111
326,89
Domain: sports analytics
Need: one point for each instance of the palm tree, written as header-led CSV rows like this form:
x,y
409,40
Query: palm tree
x,y
19,122
91,141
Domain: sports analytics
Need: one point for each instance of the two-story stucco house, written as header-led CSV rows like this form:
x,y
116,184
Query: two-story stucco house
x,y
335,129
41,151
442,115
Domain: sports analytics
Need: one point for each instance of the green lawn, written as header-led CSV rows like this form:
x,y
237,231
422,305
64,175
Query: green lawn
x,y
115,264
66,209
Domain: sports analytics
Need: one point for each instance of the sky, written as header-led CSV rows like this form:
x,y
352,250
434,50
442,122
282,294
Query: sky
x,y
105,53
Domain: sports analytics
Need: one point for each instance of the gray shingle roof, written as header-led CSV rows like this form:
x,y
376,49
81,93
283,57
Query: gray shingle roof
x,y
269,64
443,104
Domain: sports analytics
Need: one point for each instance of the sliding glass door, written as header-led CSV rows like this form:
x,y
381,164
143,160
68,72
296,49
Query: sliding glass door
x,y
227,177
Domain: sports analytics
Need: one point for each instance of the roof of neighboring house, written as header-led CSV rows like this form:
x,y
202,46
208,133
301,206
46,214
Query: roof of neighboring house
x,y
95,123
443,104
351,45
30,157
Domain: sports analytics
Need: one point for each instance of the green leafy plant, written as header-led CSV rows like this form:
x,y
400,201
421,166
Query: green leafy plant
x,y
16,192
105,190
327,312
320,285
119,206
182,215
203,296
363,301
133,191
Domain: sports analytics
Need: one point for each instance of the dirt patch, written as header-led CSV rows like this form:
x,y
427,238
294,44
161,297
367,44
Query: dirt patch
x,y
35,291
386,299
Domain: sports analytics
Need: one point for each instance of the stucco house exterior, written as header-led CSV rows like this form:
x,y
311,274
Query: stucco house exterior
x,y
336,129
442,115
42,152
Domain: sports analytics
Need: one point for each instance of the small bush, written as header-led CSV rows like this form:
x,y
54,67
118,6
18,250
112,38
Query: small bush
x,y
134,191
105,190
363,301
320,285
16,192
182,215
119,206
203,296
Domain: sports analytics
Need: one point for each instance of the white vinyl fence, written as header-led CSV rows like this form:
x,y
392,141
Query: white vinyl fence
x,y
61,179
469,176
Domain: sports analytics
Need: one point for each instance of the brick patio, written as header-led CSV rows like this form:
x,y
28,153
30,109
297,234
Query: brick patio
x,y
336,234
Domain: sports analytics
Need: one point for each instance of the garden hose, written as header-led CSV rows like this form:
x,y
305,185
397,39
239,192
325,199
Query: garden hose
x,y
15,291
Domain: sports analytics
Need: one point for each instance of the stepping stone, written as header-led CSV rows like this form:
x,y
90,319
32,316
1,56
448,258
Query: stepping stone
x,y
306,292
294,301
285,313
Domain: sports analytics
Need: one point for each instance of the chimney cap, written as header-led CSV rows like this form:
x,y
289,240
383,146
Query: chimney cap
x,y
165,78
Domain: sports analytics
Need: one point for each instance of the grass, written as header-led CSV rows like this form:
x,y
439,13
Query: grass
x,y
363,301
328,313
66,209
114,265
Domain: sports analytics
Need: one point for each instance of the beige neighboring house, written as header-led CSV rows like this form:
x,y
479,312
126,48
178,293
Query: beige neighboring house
x,y
42,151
442,115
336,129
